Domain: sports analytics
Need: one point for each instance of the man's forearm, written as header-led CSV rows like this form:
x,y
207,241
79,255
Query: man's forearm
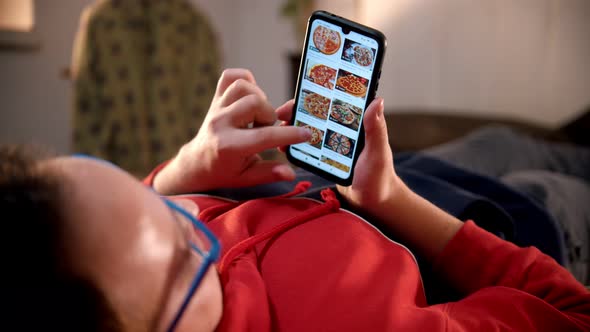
x,y
418,223
168,180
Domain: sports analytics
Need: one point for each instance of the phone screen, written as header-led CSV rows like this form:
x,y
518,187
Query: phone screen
x,y
333,95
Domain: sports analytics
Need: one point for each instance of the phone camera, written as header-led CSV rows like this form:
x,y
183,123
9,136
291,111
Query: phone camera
x,y
346,31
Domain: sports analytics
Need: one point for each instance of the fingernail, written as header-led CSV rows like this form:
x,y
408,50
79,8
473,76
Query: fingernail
x,y
305,133
381,108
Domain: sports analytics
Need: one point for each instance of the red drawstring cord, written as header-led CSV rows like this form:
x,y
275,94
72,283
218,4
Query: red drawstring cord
x,y
211,213
331,204
300,188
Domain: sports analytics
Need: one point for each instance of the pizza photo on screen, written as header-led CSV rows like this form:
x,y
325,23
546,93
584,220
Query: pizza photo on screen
x,y
335,164
352,84
358,54
314,104
339,143
317,135
345,114
320,74
326,40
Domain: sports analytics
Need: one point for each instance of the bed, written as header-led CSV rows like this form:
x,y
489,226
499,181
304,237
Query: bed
x,y
425,130
439,126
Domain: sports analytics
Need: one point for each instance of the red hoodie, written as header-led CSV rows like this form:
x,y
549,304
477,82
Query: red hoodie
x,y
295,264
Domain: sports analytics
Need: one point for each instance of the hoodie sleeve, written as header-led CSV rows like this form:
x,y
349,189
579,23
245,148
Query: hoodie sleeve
x,y
149,180
527,286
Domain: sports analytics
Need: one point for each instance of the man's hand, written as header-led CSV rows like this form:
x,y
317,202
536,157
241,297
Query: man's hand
x,y
377,190
375,181
239,125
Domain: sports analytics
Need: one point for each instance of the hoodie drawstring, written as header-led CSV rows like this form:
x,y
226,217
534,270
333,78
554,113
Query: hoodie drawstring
x,y
331,204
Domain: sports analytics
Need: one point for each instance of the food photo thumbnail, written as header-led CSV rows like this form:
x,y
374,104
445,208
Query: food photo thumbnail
x,y
339,143
352,84
358,54
345,114
317,135
315,104
320,74
326,40
335,164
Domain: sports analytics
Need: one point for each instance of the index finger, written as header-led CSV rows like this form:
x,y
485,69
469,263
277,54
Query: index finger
x,y
251,109
251,141
231,75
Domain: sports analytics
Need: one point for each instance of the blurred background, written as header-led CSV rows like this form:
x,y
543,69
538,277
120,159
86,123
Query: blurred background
x,y
526,60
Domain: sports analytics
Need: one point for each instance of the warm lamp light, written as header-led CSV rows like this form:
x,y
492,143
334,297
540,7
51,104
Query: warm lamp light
x,y
17,15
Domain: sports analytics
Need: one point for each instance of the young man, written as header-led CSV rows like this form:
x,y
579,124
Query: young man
x,y
91,248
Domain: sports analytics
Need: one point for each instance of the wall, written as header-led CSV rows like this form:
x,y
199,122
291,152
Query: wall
x,y
255,37
528,59
35,100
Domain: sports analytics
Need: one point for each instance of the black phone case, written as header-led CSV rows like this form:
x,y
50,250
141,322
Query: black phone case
x,y
359,28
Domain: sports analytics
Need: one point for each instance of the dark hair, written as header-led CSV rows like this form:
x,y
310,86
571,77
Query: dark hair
x,y
41,289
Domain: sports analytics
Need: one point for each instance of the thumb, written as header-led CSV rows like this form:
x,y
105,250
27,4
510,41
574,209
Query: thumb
x,y
376,138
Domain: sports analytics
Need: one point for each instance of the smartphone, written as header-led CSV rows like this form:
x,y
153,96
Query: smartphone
x,y
338,78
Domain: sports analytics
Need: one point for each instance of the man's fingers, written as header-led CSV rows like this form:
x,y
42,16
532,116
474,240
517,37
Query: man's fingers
x,y
376,137
285,115
231,75
266,171
283,148
376,152
251,141
285,111
251,109
240,88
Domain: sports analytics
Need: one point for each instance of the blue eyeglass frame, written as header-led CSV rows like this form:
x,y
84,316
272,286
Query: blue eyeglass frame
x,y
208,258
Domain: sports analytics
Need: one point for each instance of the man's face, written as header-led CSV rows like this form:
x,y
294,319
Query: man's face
x,y
125,239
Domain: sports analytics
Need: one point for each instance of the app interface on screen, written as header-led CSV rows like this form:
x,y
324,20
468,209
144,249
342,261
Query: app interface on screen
x,y
332,96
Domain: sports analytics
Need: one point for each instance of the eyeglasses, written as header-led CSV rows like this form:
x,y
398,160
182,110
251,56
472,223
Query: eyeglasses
x,y
200,239
204,244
